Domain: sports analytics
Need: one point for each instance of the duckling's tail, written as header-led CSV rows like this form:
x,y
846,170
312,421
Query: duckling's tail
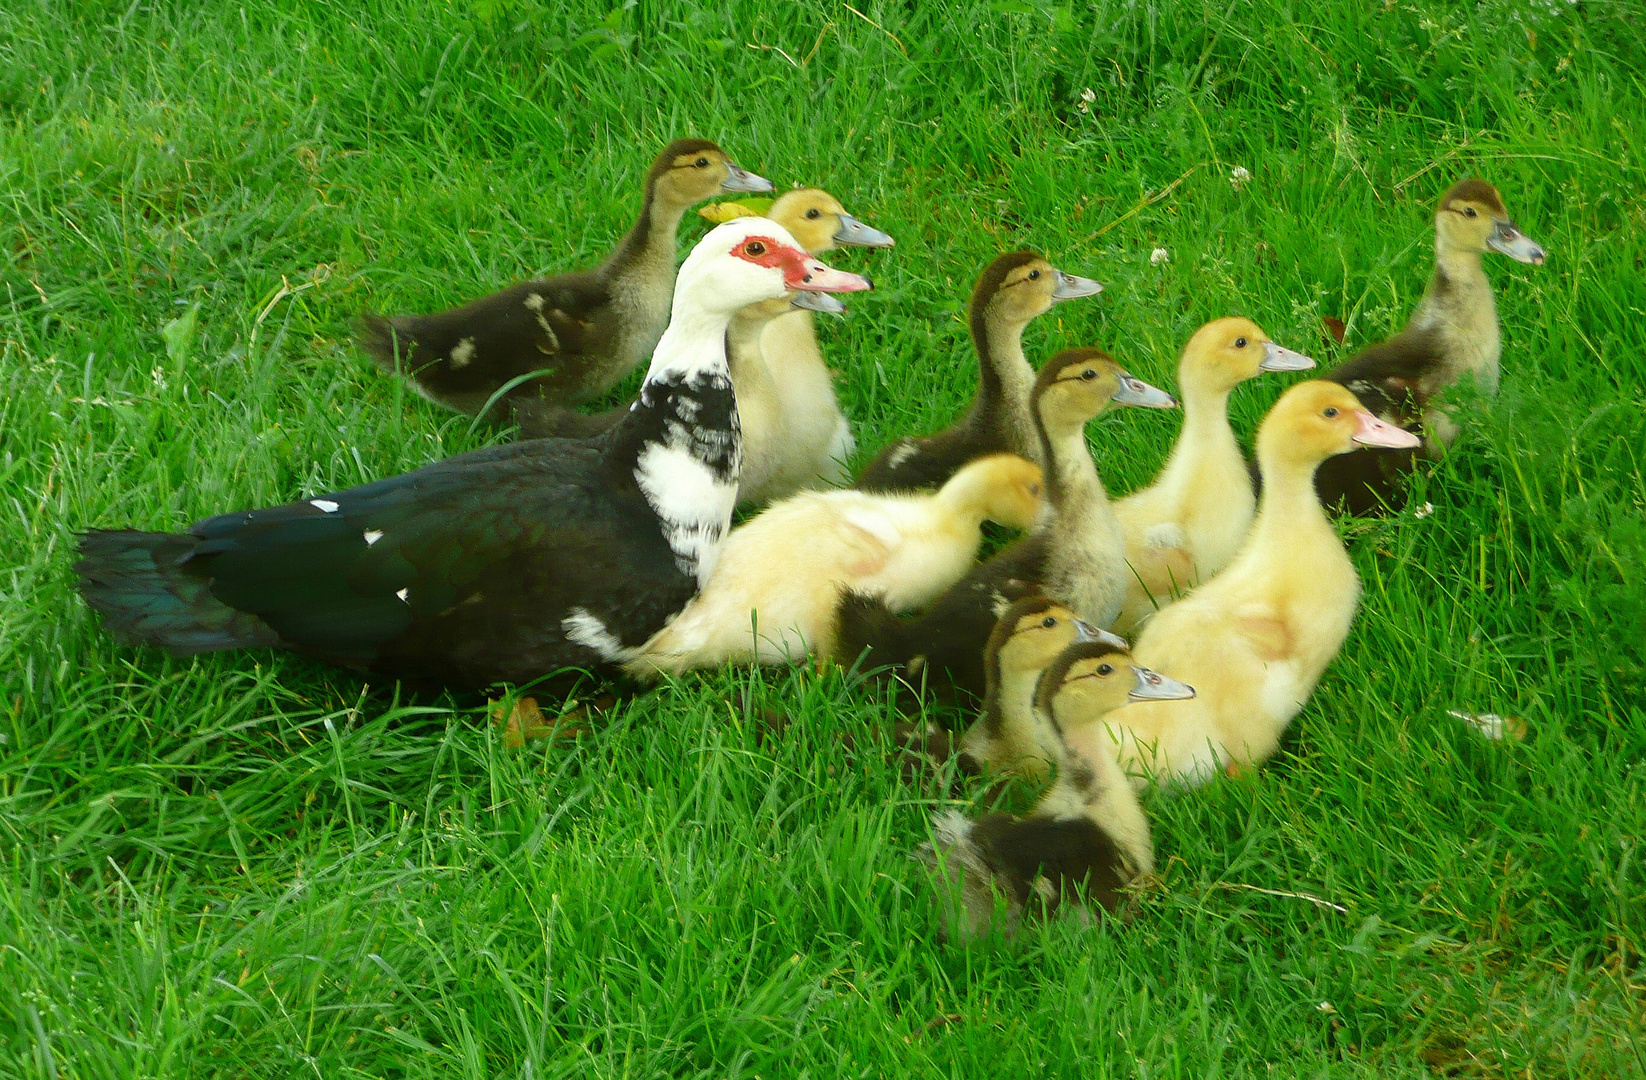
x,y
138,581
389,347
970,889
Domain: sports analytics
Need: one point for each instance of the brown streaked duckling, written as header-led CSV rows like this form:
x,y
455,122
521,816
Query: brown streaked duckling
x,y
1012,291
1453,333
1086,839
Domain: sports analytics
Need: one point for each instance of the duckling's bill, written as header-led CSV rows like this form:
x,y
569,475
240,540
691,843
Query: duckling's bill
x,y
817,301
1509,240
1278,358
1070,287
1134,391
1153,686
857,234
1375,432
741,179
1085,631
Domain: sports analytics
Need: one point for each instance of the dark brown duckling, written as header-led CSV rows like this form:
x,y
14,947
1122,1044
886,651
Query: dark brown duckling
x,y
1087,838
1012,291
1454,332
565,338
1076,553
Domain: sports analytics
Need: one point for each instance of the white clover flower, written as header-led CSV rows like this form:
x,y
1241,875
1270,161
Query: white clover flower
x,y
1424,511
1087,96
1158,256
1239,177
159,377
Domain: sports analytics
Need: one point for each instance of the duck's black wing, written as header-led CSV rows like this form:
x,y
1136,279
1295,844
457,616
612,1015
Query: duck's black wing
x,y
502,565
562,326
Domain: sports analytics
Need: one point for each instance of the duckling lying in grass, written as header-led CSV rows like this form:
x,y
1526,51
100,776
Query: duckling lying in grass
x,y
1256,638
1086,839
1007,737
1189,523
773,596
1012,291
1454,332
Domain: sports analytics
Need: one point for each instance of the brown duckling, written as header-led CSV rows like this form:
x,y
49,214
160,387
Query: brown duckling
x,y
1189,523
1454,332
1007,737
565,338
1086,839
1076,553
1012,291
1256,638
794,434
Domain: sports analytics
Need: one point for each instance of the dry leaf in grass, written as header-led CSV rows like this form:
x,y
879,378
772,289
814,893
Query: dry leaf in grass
x,y
1492,725
1334,329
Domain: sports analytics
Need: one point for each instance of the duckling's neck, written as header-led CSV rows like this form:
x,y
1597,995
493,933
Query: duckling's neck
x,y
744,331
1005,383
649,245
1458,307
965,500
1289,510
1206,434
1072,482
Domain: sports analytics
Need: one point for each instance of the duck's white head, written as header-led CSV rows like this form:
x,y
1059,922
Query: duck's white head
x,y
749,260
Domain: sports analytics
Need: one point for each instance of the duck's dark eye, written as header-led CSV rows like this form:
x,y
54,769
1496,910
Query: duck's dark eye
x,y
701,163
814,213
1049,621
754,247
1240,343
1034,275
1105,670
1469,211
1088,375
1331,411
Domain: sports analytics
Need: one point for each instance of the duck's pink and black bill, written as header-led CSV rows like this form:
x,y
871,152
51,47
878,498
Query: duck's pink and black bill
x,y
741,179
813,276
1370,431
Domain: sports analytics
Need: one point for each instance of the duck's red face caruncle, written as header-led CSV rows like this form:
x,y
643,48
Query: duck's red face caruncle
x,y
800,270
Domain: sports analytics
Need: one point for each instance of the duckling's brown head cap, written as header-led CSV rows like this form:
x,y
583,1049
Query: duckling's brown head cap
x,y
989,282
1477,190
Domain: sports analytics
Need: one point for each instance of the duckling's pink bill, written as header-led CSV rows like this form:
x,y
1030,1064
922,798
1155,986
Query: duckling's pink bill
x,y
1509,240
740,179
1139,394
1370,431
1276,358
1153,686
815,277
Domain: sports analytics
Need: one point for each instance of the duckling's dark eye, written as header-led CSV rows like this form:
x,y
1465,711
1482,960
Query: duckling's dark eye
x,y
1105,670
1088,375
1240,343
814,213
1469,211
1331,411
1049,621
1034,275
701,163
754,247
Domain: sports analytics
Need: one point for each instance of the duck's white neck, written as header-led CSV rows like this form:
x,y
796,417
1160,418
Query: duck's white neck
x,y
693,346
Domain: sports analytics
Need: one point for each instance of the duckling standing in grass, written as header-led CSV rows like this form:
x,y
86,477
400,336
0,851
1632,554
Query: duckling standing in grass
x,y
1255,639
1007,737
1012,291
1086,839
1454,332
1077,552
794,434
582,331
1189,523
773,598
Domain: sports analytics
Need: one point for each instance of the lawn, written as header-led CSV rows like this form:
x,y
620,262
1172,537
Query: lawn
x,y
248,865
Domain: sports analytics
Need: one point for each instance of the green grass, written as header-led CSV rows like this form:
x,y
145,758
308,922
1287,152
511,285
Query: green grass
x,y
246,865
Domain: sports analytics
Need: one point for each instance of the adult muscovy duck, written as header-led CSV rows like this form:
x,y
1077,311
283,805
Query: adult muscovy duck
x,y
503,564
569,337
